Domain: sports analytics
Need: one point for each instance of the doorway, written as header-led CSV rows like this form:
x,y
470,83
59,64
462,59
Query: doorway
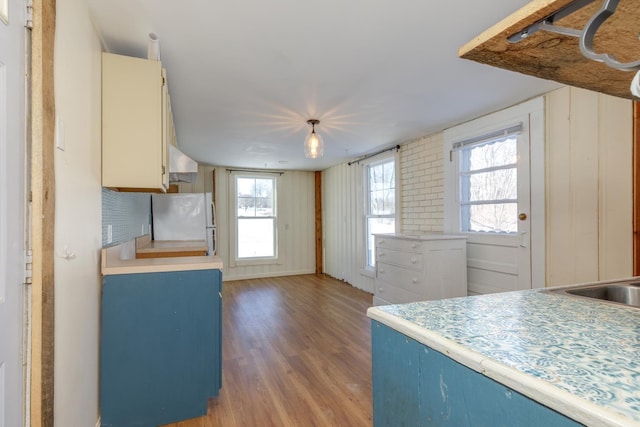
x,y
494,194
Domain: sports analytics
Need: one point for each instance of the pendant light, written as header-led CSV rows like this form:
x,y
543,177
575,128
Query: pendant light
x,y
313,145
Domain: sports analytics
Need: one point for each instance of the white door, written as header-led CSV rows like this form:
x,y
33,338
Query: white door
x,y
12,120
494,194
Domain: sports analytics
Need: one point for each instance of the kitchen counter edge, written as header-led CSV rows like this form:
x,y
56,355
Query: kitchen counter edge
x,y
579,409
121,259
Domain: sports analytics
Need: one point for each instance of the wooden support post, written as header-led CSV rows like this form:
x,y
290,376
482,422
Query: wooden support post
x,y
319,248
636,188
43,209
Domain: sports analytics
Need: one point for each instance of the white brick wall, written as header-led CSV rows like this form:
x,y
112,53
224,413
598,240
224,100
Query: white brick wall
x,y
422,185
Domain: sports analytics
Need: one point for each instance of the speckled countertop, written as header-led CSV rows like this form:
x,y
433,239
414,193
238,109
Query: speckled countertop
x,y
578,356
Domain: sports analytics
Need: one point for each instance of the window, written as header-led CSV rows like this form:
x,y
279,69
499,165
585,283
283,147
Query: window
x,y
380,209
255,217
488,178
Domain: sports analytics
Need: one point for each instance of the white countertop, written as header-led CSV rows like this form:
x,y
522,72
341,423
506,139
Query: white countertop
x,y
578,356
121,259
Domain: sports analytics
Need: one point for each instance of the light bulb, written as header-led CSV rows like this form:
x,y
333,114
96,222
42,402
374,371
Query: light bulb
x,y
313,146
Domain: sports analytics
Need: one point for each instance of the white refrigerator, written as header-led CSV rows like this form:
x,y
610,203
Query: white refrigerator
x,y
184,216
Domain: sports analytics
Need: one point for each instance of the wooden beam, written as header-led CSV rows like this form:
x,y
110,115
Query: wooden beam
x,y
636,188
319,248
43,212
557,57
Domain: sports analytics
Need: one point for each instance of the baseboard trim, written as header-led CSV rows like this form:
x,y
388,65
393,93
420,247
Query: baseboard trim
x,y
226,278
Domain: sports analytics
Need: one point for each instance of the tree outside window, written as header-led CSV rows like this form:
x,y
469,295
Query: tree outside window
x,y
256,217
489,187
380,210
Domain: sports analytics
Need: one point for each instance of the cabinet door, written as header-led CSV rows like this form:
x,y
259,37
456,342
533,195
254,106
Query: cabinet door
x,y
167,129
414,385
452,395
160,346
215,372
395,360
133,148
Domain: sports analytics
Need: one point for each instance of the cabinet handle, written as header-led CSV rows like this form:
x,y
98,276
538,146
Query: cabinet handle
x,y
381,254
381,270
414,280
413,260
381,242
381,290
413,246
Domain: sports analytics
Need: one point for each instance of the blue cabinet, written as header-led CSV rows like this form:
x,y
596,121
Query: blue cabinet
x,y
414,385
161,346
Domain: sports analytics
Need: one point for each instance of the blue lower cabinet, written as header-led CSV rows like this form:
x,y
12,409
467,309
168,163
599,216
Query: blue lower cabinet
x,y
414,385
161,347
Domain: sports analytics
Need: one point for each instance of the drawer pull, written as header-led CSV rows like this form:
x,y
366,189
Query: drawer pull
x,y
413,246
381,242
381,290
414,280
381,254
413,260
381,270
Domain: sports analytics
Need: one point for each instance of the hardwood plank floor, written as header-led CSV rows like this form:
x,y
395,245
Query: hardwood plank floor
x,y
296,352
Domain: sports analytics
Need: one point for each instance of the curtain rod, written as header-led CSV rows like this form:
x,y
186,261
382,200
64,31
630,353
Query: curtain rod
x,y
256,171
368,156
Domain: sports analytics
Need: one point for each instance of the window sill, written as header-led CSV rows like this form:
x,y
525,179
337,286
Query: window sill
x,y
255,261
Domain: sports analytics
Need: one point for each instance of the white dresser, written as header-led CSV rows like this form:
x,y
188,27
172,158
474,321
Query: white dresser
x,y
419,268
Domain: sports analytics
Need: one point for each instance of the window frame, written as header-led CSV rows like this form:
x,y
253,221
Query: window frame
x,y
235,260
464,185
369,269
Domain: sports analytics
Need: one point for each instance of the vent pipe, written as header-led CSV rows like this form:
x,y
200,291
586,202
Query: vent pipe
x,y
153,47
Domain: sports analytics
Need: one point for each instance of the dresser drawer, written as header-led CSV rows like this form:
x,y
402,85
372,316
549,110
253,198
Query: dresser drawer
x,y
410,280
409,260
388,293
407,245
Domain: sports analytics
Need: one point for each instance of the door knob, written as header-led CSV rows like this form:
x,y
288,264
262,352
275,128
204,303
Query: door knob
x,y
522,216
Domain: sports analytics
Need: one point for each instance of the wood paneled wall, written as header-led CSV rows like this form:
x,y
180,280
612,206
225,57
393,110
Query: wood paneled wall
x,y
296,223
589,187
342,203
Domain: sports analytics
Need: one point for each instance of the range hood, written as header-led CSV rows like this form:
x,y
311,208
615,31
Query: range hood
x,y
182,168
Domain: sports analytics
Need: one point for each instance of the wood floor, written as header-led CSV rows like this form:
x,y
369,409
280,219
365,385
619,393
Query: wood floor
x,y
296,352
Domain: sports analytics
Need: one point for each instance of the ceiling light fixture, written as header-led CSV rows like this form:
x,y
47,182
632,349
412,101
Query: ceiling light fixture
x,y
313,145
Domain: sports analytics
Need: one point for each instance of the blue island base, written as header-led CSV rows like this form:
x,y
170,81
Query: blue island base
x,y
414,385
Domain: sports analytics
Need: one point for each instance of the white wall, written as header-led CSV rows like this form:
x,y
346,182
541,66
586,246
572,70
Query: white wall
x,y
343,228
589,148
588,194
78,217
296,223
422,185
420,178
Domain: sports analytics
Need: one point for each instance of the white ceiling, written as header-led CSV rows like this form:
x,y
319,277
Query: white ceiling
x,y
245,75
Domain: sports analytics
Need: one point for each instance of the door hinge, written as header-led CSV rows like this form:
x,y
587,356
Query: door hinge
x,y
29,15
28,266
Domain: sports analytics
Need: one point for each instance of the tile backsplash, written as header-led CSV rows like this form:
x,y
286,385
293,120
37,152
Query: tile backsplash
x,y
125,216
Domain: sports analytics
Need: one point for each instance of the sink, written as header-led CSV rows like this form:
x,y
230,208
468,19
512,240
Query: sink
x,y
627,293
